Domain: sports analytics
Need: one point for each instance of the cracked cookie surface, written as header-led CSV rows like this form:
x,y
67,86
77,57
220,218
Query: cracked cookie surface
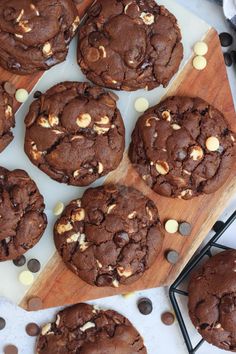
x,y
183,147
7,118
212,300
75,133
22,218
129,44
35,34
110,236
86,329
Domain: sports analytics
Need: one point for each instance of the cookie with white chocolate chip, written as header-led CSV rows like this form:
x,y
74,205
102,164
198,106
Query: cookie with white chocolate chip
x,y
75,133
183,147
110,236
22,218
7,118
86,329
129,44
212,300
35,34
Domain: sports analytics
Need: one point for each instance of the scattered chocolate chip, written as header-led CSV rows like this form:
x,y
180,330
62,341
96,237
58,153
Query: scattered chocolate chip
x,y
225,39
32,329
121,238
168,318
34,265
9,88
145,306
228,59
34,304
218,226
172,257
2,323
37,94
10,349
20,261
185,228
233,56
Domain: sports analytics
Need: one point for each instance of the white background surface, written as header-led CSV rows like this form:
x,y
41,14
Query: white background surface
x,y
159,339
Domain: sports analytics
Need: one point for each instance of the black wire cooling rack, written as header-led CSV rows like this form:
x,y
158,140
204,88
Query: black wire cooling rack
x,y
194,262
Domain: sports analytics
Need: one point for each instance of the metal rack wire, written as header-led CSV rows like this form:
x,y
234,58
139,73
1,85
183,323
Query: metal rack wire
x,y
174,289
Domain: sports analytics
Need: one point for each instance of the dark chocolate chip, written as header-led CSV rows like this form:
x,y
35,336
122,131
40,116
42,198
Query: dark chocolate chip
x,y
228,59
34,265
2,323
168,318
37,94
172,257
185,228
121,238
104,280
20,261
32,329
233,56
145,306
218,226
10,349
225,39
9,88
34,304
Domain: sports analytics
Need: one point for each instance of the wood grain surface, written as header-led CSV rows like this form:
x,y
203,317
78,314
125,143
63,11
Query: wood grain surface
x,y
59,286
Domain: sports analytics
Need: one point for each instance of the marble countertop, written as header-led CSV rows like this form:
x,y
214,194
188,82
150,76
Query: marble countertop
x,y
159,339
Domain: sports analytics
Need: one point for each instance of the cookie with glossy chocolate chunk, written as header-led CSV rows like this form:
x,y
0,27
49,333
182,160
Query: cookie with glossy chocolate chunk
x,y
7,118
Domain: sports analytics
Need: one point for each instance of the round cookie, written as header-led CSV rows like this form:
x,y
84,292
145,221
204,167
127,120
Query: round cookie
x,y
86,329
7,118
35,34
183,147
109,237
22,220
129,44
212,300
75,133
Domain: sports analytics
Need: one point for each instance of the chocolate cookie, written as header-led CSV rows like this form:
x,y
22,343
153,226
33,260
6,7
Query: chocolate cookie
x,y
129,44
212,300
35,34
86,329
22,218
183,147
75,133
7,118
109,237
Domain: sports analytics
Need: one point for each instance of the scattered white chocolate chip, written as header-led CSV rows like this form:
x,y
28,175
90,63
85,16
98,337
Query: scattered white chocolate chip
x,y
100,130
98,263
58,208
103,50
187,172
196,153
212,143
175,126
33,7
75,24
79,215
103,120
132,215
18,35
141,104
128,295
26,278
110,208
115,283
24,26
171,226
62,228
20,15
166,115
199,62
83,244
87,326
100,168
43,122
21,95
34,152
200,48
150,216
47,49
8,111
147,18
162,167
83,120
58,320
73,238
124,272
218,325
46,329
186,192
53,120
78,202
232,138
149,119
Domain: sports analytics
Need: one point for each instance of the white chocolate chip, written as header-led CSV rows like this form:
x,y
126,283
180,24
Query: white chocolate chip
x,y
87,326
84,120
58,320
103,121
47,49
186,192
218,325
200,48
58,208
141,104
21,95
26,278
43,122
196,153
33,7
166,115
104,53
162,167
73,238
187,172
150,216
100,168
175,126
46,329
53,120
212,143
115,283
100,130
24,26
132,215
20,15
232,138
124,272
83,244
62,228
199,62
171,226
148,120
147,18
34,152
110,208
8,111
18,35
79,215
99,264
75,24
78,202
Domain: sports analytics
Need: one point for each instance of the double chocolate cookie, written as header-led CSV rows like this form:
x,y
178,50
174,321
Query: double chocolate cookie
x,y
75,133
7,118
35,34
183,147
22,218
212,300
109,237
129,44
86,329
